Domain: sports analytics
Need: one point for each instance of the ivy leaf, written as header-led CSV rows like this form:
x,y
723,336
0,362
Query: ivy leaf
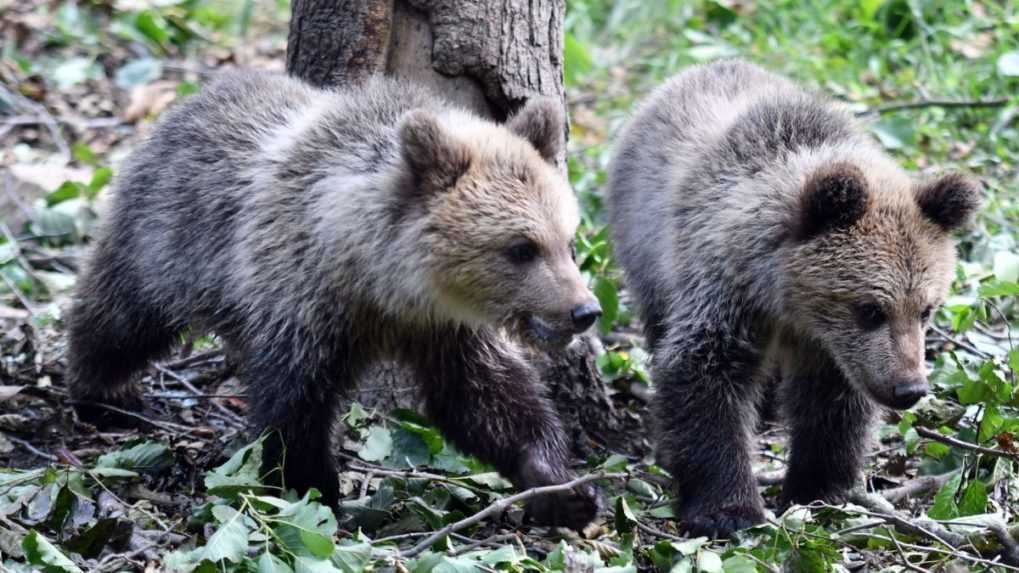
x,y
230,541
269,563
739,564
709,562
378,445
306,527
353,557
239,473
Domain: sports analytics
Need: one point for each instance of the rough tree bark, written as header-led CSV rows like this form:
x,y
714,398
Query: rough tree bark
x,y
489,56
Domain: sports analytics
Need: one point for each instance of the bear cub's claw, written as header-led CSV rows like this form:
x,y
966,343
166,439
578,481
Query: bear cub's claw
x,y
574,509
721,523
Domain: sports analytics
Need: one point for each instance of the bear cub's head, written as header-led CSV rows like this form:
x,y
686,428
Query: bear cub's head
x,y
874,259
499,221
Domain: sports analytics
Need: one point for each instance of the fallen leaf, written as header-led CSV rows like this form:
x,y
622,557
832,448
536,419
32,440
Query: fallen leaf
x,y
8,392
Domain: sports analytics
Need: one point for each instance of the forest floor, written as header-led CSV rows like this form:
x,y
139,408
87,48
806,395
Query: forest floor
x,y
80,85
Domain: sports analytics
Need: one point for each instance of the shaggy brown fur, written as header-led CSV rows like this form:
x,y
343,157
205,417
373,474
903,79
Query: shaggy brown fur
x,y
762,231
319,231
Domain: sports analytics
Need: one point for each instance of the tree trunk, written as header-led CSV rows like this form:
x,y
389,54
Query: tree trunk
x,y
489,56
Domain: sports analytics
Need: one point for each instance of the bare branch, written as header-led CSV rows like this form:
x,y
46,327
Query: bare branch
x,y
500,505
939,437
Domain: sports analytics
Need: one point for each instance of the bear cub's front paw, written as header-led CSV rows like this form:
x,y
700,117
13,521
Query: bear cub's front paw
x,y
720,523
574,508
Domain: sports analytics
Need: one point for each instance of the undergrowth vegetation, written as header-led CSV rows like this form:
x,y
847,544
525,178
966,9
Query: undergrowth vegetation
x,y
938,84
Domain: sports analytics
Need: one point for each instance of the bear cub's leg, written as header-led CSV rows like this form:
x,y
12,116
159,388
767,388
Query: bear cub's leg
x,y
830,421
113,332
706,410
296,401
485,397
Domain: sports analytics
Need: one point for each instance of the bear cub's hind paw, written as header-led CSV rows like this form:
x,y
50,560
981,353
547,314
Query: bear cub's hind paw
x,y
574,509
721,523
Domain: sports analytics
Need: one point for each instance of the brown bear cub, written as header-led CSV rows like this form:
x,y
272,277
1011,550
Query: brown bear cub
x,y
318,231
763,232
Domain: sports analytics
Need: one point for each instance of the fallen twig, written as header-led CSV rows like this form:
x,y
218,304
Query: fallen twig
x,y
31,448
500,505
916,487
880,508
191,387
948,440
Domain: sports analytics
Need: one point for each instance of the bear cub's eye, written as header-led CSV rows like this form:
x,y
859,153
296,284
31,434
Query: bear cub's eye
x,y
523,252
573,250
926,313
870,315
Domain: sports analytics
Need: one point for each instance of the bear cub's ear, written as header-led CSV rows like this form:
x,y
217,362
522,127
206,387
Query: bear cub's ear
x,y
541,122
834,197
436,157
949,201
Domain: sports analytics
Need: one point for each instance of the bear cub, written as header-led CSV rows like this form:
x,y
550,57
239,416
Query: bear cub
x,y
319,231
766,236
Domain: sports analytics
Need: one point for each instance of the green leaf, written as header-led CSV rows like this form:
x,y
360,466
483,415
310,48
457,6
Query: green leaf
x,y
60,509
39,551
90,543
429,435
709,562
306,527
944,501
625,519
145,457
974,499
614,463
230,541
152,26
138,72
269,563
239,473
690,546
101,178
608,296
409,449
1008,63
895,132
739,564
378,446
67,190
990,423
306,564
53,223
999,288
84,154
353,557
576,59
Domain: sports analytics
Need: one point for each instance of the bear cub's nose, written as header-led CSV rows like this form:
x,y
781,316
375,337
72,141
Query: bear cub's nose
x,y
584,316
908,392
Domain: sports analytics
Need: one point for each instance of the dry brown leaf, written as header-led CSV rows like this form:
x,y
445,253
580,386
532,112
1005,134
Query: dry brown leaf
x,y
149,100
8,392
